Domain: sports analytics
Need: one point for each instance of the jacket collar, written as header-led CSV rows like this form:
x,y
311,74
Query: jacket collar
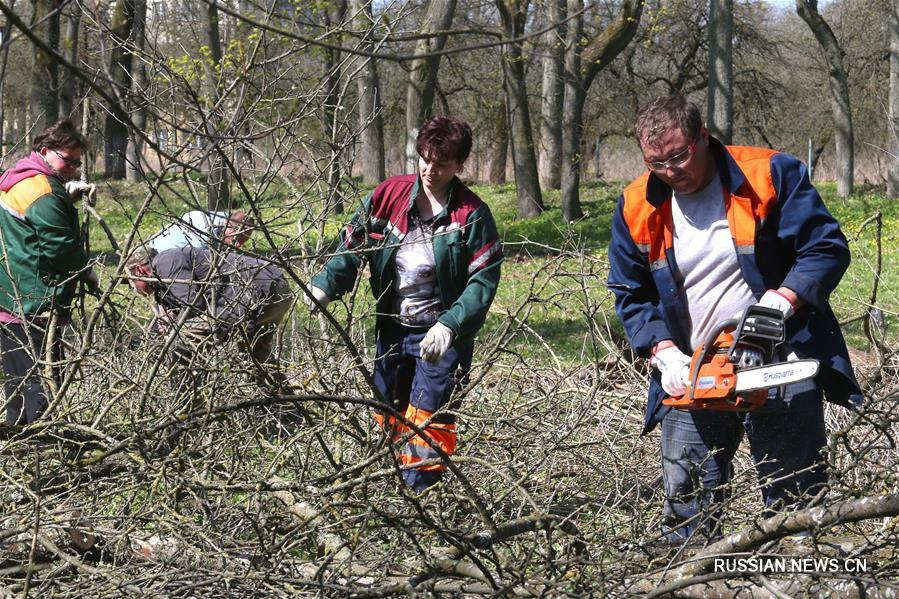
x,y
450,194
658,192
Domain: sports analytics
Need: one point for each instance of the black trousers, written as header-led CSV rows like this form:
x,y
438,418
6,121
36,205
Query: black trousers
x,y
24,386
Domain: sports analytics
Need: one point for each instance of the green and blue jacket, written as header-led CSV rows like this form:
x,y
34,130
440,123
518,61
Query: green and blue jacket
x,y
783,235
467,251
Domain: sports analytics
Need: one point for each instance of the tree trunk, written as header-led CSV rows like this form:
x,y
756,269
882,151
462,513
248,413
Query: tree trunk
x,y
720,117
550,154
218,182
573,128
67,78
893,169
527,186
4,56
840,105
133,169
596,53
370,122
423,73
334,15
496,166
115,129
44,76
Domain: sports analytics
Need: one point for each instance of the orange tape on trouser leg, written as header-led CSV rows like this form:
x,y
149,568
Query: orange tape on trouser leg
x,y
417,449
390,425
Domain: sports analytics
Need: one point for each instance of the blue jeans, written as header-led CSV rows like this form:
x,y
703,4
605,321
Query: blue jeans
x,y
785,439
417,390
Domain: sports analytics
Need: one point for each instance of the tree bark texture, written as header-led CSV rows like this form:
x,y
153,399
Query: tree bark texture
x,y
333,73
423,73
770,529
115,128
550,152
133,170
893,169
218,181
4,57
70,50
720,117
45,76
840,105
530,201
496,165
371,123
584,59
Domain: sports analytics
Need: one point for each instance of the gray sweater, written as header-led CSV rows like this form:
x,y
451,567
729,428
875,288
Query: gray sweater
x,y
230,287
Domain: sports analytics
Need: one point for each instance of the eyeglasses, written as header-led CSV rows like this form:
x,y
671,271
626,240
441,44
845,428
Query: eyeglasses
x,y
68,161
676,161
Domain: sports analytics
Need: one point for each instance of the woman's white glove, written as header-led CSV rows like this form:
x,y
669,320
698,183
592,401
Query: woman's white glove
x,y
674,365
77,188
320,296
772,299
435,343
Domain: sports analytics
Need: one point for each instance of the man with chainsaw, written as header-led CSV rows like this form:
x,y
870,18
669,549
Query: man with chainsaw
x,y
707,232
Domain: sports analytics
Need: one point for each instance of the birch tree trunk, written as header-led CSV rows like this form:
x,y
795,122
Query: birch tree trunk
x,y
423,73
840,105
720,117
550,153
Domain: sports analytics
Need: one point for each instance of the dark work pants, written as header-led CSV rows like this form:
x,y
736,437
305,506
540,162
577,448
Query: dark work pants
x,y
786,437
23,345
417,389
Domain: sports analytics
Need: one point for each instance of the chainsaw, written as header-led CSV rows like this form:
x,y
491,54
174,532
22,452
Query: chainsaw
x,y
734,368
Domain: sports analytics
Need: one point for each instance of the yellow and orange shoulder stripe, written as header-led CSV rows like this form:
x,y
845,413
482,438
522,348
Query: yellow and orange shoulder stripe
x,y
24,193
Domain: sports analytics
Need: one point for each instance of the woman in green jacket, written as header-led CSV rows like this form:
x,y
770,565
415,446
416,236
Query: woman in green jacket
x,y
435,260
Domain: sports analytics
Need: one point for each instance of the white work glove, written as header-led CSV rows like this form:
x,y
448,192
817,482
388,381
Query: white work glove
x,y
674,365
435,343
76,189
320,296
773,299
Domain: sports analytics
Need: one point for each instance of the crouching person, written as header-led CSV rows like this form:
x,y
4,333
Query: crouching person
x,y
435,260
223,293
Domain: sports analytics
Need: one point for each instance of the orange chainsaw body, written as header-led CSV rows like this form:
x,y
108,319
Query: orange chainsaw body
x,y
716,382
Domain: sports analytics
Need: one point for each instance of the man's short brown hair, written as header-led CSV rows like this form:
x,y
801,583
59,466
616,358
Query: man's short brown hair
x,y
60,135
664,114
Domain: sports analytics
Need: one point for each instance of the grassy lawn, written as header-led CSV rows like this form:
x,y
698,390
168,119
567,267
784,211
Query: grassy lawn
x,y
554,275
